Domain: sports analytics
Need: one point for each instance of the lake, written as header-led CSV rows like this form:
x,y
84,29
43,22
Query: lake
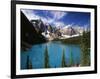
x,y
55,49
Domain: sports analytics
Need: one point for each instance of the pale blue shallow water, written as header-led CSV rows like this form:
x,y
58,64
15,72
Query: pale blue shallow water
x,y
55,49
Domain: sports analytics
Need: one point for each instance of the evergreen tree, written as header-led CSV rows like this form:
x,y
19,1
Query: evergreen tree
x,y
63,63
71,58
46,58
28,63
85,54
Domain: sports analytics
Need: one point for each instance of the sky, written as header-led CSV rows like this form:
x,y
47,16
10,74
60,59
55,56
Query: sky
x,y
59,18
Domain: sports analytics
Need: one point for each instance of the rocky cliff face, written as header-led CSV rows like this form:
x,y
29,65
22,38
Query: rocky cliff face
x,y
40,26
50,32
35,31
29,35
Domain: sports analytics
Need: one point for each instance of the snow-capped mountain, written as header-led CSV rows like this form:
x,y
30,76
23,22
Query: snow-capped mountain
x,y
48,31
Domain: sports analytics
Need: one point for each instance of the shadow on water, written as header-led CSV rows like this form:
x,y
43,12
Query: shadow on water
x,y
54,55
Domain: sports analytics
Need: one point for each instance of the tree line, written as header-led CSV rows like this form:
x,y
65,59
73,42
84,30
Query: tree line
x,y
85,54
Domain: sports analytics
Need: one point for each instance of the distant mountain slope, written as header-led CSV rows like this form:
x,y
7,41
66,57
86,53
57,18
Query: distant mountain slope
x,y
40,26
71,30
36,31
29,35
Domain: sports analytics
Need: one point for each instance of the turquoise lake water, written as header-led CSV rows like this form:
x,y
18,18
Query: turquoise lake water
x,y
55,49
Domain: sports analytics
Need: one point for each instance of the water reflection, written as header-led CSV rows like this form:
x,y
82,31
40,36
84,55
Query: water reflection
x,y
55,52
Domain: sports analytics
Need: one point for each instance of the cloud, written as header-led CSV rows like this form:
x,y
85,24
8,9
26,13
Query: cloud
x,y
59,24
57,15
45,20
31,14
